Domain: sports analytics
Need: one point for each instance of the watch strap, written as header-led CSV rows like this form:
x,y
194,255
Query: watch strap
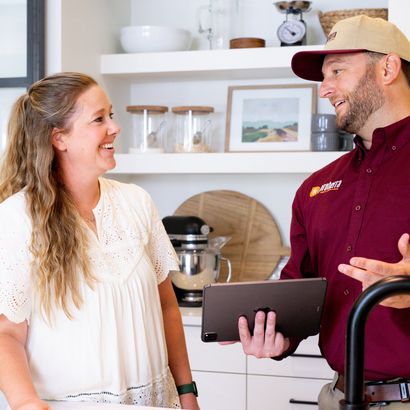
x,y
188,388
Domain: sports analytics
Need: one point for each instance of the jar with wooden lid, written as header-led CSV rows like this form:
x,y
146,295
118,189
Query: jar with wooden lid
x,y
193,129
148,128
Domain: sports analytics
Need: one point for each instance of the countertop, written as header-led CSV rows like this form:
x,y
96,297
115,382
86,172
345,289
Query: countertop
x,y
59,405
191,316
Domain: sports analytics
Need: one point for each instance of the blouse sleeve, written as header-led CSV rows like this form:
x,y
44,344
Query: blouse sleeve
x,y
162,252
15,287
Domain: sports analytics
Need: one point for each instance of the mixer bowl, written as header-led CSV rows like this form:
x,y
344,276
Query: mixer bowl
x,y
197,269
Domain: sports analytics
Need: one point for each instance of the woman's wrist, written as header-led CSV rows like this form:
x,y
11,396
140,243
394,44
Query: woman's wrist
x,y
188,388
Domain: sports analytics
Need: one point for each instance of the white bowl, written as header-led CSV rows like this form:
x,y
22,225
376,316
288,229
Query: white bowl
x,y
144,39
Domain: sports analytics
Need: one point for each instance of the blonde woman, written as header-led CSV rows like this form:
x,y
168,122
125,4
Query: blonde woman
x,y
87,311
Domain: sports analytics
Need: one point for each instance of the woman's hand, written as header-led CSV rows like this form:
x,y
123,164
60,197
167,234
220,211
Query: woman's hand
x,y
31,404
189,401
369,271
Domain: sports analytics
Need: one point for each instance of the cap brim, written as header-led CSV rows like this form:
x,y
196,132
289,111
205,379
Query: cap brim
x,y
308,64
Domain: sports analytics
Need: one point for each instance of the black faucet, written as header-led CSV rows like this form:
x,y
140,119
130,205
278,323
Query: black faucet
x,y
354,368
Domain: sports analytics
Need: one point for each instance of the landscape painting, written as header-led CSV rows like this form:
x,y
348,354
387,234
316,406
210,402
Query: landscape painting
x,y
270,118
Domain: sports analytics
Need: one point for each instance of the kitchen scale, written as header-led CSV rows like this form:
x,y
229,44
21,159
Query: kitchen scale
x,y
292,32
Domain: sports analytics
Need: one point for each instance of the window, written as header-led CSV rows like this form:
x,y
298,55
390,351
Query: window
x,y
21,52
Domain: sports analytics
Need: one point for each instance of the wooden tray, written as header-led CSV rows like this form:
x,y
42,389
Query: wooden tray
x,y
256,245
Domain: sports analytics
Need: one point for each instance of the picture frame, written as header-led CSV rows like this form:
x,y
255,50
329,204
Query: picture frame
x,y
265,118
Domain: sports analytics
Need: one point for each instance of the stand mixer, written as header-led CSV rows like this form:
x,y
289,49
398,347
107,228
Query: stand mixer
x,y
199,257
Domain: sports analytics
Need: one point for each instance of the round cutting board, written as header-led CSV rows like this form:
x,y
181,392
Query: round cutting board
x,y
256,245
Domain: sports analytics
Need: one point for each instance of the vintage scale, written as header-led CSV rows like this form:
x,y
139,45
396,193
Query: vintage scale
x,y
292,32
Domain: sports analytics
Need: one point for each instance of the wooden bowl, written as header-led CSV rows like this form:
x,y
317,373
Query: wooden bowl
x,y
246,42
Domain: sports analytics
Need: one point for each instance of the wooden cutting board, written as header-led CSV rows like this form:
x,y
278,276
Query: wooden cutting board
x,y
256,245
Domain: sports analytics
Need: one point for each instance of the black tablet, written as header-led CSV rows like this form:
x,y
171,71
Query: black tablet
x,y
298,304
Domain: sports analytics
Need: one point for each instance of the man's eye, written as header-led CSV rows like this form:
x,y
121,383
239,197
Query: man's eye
x,y
337,71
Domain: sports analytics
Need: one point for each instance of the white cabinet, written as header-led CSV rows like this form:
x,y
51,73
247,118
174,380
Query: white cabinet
x,y
282,393
212,356
227,379
219,371
221,391
293,383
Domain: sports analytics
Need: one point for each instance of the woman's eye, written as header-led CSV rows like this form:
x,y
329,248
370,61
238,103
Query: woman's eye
x,y
99,119
111,115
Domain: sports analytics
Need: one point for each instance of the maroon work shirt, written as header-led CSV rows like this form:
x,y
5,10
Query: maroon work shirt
x,y
359,205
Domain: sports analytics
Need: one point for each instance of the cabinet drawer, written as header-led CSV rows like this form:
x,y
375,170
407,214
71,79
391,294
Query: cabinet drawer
x,y
283,393
213,356
291,366
221,391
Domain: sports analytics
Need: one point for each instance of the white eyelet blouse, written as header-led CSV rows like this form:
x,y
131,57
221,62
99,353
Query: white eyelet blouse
x,y
114,349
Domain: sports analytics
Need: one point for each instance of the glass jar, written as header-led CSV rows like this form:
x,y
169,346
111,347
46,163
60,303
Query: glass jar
x,y
193,129
148,128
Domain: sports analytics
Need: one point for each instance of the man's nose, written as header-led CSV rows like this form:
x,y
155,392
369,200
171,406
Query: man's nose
x,y
326,88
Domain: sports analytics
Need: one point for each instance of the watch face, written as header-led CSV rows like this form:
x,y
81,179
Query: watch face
x,y
291,31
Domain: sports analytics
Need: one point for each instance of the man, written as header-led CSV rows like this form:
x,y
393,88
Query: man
x,y
365,74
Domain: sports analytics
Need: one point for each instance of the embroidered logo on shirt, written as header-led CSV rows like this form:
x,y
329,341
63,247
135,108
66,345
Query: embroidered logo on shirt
x,y
329,186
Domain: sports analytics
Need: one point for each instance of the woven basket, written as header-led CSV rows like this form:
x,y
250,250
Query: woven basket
x,y
330,18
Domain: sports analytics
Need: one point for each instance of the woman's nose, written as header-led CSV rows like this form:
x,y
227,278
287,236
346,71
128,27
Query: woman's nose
x,y
114,128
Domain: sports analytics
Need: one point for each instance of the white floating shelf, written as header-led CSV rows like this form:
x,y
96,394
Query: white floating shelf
x,y
199,64
224,163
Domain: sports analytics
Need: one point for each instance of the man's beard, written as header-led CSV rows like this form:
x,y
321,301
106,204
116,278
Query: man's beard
x,y
363,101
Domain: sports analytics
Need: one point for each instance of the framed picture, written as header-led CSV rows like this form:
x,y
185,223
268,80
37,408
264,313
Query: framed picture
x,y
270,117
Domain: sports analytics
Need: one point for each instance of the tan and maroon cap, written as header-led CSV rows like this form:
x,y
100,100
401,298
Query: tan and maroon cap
x,y
352,35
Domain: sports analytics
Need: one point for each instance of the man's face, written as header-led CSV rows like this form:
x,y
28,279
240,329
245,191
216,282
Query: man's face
x,y
351,86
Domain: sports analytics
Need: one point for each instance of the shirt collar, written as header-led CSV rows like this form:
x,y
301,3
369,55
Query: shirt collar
x,y
394,135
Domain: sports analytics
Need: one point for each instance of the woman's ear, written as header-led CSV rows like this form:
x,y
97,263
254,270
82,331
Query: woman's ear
x,y
58,139
391,68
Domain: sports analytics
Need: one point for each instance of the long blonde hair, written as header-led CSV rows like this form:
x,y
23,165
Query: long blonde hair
x,y
58,242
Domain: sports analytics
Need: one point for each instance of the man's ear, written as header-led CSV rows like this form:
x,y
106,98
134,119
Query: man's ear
x,y
391,68
58,139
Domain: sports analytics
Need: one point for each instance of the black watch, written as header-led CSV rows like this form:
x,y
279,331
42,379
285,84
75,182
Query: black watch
x,y
188,388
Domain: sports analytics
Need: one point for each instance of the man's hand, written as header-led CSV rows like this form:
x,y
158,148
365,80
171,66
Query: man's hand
x,y
369,271
264,342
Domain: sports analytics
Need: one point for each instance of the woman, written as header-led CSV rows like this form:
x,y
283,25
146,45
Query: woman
x,y
87,311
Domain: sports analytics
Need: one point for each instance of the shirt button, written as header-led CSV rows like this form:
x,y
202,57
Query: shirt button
x,y
357,207
369,170
349,248
346,292
393,147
